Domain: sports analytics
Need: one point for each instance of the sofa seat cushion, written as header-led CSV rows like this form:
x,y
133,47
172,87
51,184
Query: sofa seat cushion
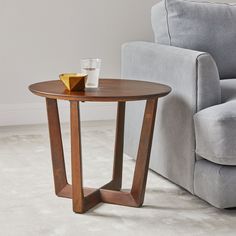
x,y
201,26
215,183
215,130
228,90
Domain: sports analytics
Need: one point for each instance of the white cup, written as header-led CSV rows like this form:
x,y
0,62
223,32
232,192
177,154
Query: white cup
x,y
91,67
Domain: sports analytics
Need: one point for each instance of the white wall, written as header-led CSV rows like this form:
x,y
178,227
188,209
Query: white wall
x,y
41,39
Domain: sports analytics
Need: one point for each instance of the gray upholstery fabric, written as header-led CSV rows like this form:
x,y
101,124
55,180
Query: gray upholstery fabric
x,y
215,183
201,26
228,90
194,79
208,82
215,130
207,32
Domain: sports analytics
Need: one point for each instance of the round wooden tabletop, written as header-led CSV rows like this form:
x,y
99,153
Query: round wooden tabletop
x,y
109,90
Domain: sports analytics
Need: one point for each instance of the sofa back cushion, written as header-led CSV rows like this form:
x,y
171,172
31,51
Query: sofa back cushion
x,y
201,26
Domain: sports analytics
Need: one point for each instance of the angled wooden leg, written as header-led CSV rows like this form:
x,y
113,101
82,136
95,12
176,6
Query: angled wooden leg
x,y
86,198
83,198
136,196
58,163
143,157
76,159
119,143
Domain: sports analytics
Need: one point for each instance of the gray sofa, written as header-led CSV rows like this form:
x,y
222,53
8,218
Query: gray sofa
x,y
194,141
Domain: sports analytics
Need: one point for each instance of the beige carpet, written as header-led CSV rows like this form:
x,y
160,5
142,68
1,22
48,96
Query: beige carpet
x,y
28,205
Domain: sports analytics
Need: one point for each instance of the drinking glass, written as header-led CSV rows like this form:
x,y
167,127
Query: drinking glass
x,y
91,67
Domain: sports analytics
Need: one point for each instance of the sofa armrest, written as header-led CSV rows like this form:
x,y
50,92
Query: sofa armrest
x,y
194,79
193,75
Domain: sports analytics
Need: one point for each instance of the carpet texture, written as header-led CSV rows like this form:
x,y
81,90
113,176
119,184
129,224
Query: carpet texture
x,y
29,207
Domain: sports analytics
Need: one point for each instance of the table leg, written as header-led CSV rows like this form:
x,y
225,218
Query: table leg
x,y
135,197
76,158
58,163
144,151
119,143
86,198
83,198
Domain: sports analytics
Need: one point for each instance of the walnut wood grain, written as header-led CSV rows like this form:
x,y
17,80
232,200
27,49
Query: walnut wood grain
x,y
119,144
144,150
59,170
76,159
110,90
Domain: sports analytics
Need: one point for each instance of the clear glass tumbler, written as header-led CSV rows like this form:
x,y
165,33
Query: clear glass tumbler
x,y
91,67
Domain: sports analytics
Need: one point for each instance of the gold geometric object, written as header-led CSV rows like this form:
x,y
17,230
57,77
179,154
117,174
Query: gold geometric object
x,y
73,81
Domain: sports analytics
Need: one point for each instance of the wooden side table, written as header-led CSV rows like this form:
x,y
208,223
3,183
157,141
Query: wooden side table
x,y
110,90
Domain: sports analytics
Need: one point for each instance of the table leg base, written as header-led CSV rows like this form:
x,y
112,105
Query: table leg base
x,y
85,198
93,196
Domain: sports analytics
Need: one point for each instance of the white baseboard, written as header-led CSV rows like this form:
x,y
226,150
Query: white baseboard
x,y
35,113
